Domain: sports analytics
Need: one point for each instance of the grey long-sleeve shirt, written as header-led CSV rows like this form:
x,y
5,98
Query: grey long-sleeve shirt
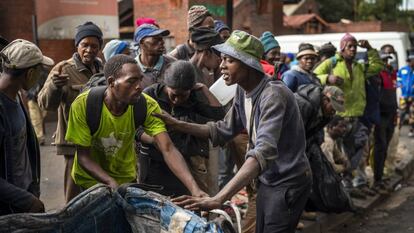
x,y
279,145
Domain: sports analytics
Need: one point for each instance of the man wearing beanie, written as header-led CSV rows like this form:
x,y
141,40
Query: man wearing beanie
x,y
63,84
205,60
151,59
198,16
326,51
276,153
222,29
271,60
302,74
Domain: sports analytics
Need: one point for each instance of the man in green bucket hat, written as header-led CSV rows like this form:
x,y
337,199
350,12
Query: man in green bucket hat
x,y
276,152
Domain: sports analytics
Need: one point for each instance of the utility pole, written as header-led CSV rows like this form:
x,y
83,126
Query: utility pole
x,y
229,13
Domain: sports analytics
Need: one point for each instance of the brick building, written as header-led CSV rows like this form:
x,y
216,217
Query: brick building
x,y
23,28
51,24
172,14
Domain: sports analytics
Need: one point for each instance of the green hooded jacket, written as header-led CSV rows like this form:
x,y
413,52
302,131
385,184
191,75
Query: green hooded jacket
x,y
353,88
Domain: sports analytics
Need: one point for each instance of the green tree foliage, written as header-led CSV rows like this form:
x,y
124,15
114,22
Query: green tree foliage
x,y
384,10
335,10
365,10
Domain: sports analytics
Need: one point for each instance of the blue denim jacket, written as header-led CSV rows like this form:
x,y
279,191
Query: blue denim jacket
x,y
153,213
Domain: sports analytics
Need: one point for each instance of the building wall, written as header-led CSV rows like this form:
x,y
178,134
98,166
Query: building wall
x,y
246,17
58,50
168,15
172,14
16,19
59,19
13,28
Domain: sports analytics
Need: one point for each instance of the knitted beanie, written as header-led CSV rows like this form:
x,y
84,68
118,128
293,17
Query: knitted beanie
x,y
268,41
345,39
196,15
86,30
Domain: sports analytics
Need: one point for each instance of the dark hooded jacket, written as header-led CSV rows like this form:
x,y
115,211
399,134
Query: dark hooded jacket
x,y
309,99
9,193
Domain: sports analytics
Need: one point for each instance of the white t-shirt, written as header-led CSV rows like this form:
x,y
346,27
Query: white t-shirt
x,y
248,107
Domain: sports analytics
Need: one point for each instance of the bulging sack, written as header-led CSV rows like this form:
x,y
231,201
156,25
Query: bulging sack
x,y
328,193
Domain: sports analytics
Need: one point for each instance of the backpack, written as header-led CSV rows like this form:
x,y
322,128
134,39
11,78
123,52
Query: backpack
x,y
94,103
96,80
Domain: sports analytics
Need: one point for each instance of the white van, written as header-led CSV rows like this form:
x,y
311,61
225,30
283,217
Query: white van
x,y
400,41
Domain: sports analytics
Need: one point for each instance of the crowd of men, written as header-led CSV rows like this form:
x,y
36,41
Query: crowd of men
x,y
139,114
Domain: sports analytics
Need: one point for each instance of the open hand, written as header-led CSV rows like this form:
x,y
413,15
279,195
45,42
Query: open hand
x,y
335,80
364,44
197,203
167,118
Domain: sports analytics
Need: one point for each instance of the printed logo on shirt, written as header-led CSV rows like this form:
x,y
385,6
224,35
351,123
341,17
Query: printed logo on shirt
x,y
111,145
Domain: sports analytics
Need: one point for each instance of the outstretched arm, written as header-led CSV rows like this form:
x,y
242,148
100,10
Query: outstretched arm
x,y
246,174
198,130
176,163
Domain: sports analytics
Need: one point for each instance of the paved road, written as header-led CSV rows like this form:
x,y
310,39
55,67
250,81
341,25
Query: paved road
x,y
395,215
51,185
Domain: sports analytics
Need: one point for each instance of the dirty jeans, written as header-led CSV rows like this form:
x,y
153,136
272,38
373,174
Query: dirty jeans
x,y
94,210
280,207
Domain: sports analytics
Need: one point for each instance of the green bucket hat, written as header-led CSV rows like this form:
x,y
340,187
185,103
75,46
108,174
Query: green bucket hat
x,y
244,47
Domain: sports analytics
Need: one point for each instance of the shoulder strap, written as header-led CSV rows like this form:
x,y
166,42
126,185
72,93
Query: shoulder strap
x,y
333,64
94,102
140,111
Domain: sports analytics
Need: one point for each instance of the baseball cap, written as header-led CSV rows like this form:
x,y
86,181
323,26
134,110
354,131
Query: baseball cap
x,y
336,96
146,30
21,54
